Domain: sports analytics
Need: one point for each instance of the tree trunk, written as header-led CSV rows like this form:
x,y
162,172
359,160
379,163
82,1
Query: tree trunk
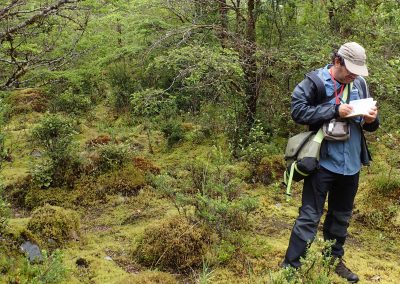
x,y
223,12
250,65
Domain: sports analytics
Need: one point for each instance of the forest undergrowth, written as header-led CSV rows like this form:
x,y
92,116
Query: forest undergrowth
x,y
186,213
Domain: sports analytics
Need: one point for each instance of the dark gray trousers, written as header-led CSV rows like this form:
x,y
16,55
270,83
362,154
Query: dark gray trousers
x,y
341,191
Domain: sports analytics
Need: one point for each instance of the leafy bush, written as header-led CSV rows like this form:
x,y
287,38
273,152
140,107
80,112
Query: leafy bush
x,y
54,133
71,103
173,132
122,83
153,104
112,156
42,173
54,223
197,74
175,244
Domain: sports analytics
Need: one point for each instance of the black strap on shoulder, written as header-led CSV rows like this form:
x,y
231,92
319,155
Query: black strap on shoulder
x,y
313,76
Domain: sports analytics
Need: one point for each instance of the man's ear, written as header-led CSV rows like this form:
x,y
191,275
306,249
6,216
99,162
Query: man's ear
x,y
337,61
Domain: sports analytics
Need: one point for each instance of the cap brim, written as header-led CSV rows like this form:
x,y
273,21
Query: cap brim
x,y
360,70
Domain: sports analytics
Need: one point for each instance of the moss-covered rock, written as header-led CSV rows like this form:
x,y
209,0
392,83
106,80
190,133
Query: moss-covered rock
x,y
54,226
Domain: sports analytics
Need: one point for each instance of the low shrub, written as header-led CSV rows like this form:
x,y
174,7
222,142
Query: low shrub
x,y
211,194
54,226
70,102
54,133
316,268
175,244
112,156
173,132
59,164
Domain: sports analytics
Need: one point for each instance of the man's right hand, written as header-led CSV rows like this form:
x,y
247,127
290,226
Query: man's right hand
x,y
345,110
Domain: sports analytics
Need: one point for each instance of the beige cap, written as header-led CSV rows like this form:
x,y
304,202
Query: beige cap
x,y
354,58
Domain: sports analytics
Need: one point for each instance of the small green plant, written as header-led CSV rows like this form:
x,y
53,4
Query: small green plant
x,y
19,270
316,267
42,173
205,276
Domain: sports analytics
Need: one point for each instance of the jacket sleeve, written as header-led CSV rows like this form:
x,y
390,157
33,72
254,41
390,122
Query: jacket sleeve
x,y
370,127
305,110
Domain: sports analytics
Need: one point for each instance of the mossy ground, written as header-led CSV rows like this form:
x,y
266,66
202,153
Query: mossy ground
x,y
111,229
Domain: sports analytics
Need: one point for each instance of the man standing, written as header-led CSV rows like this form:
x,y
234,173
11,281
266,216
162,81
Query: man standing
x,y
340,161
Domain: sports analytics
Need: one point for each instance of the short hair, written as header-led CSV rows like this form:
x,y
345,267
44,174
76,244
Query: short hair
x,y
335,55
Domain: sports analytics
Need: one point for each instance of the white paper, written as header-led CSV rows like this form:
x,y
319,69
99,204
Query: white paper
x,y
361,107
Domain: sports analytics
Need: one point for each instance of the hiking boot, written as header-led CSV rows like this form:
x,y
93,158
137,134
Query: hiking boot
x,y
346,273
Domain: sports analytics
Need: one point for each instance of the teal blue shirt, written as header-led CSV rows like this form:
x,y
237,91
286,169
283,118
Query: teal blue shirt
x,y
342,157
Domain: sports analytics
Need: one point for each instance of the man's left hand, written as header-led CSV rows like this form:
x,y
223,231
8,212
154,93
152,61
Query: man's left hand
x,y
371,116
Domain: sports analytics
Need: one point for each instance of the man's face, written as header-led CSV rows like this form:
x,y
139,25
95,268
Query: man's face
x,y
342,74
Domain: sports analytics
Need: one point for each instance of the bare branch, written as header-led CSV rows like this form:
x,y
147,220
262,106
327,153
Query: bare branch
x,y
45,12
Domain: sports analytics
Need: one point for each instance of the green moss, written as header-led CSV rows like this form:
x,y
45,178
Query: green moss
x,y
126,181
36,197
150,277
56,224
